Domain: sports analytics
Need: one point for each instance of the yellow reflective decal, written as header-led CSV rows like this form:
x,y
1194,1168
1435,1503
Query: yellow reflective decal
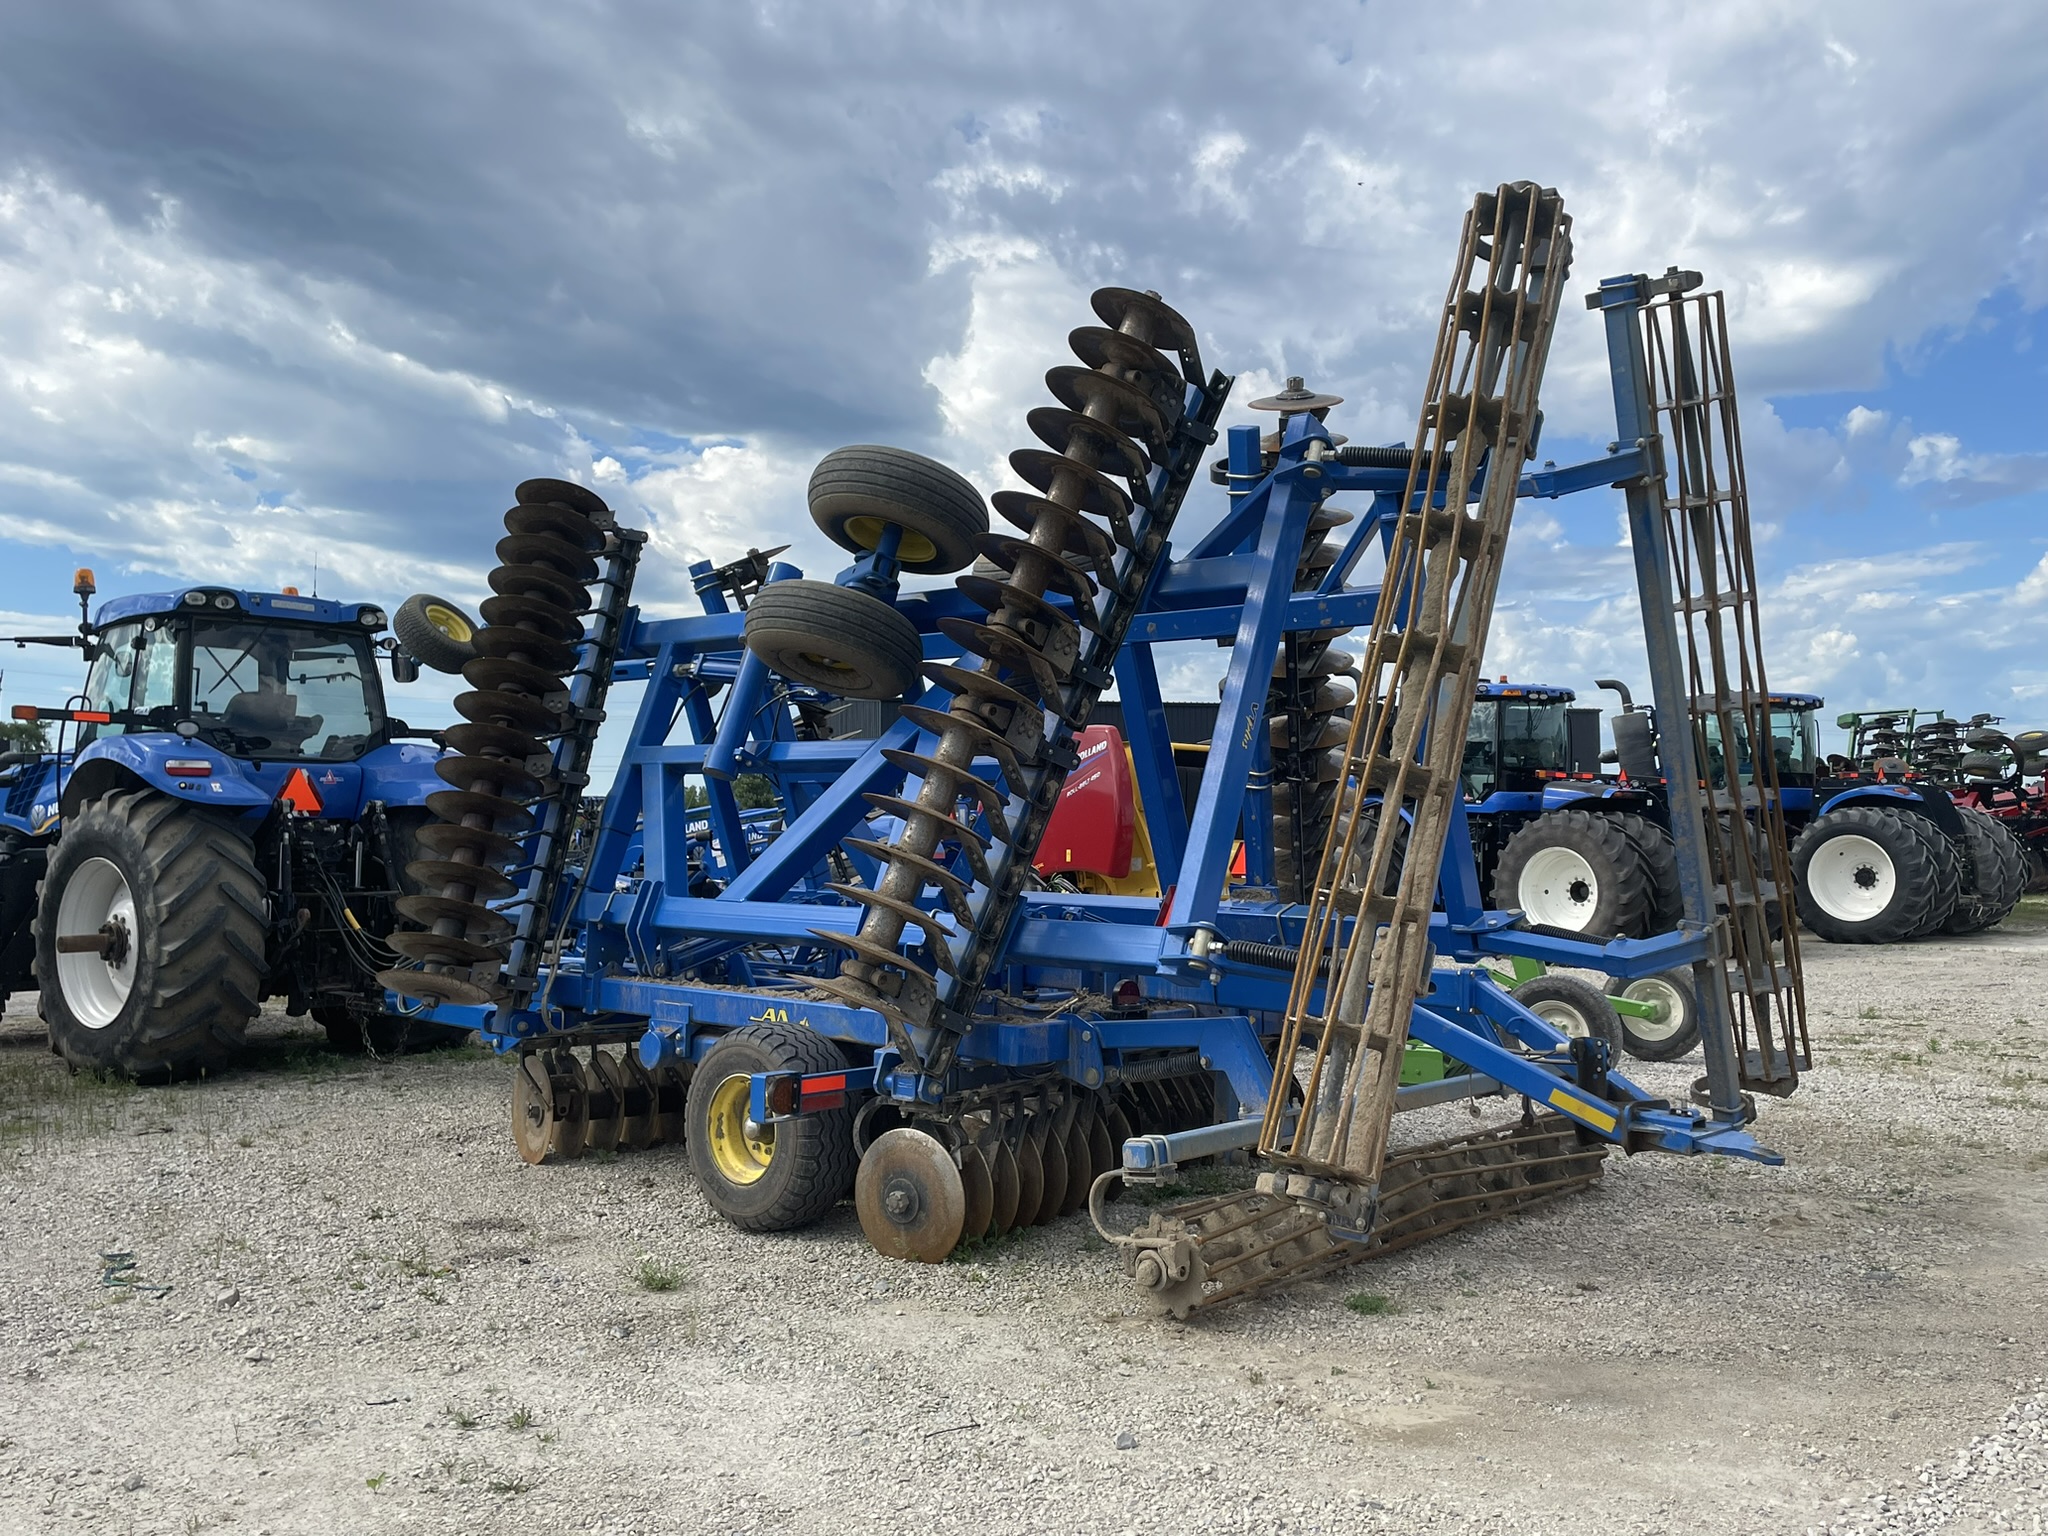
x,y
1581,1109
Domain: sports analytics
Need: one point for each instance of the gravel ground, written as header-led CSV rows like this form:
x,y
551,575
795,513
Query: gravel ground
x,y
351,1308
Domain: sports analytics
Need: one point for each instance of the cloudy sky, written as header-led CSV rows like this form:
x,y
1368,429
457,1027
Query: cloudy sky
x,y
284,283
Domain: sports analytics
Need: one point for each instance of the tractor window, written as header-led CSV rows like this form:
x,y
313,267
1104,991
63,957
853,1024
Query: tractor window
x,y
159,669
1482,768
111,682
1795,742
288,692
1533,737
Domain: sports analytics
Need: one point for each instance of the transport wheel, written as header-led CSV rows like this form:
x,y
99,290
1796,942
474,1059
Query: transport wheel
x,y
1867,875
149,937
912,1202
1673,1030
858,492
836,638
1573,1008
767,1178
1576,871
1995,872
434,632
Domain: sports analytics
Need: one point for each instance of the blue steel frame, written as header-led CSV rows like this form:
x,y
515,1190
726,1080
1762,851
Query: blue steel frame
x,y
645,946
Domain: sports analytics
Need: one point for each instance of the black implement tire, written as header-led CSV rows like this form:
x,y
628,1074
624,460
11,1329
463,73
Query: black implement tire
x,y
1573,1007
855,491
809,1163
434,632
1575,870
835,638
1865,874
182,882
1660,867
1677,1028
1994,869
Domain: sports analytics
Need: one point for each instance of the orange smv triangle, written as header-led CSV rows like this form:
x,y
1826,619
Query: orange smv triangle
x,y
299,794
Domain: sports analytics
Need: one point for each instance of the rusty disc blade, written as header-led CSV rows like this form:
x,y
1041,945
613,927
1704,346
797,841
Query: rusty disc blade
x,y
1052,1158
607,1102
980,1186
572,1106
1002,1167
1030,1180
911,1200
533,1109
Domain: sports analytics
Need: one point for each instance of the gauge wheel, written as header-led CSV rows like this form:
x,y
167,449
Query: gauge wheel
x,y
1673,1029
434,632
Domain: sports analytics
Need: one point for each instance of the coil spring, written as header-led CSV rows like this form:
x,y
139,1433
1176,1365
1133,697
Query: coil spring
x,y
1116,416
533,626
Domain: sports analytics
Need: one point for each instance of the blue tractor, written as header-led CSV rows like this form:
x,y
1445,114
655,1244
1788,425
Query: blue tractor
x,y
225,815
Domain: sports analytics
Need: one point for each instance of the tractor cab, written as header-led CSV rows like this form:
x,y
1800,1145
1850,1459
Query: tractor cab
x,y
1521,736
254,675
1795,744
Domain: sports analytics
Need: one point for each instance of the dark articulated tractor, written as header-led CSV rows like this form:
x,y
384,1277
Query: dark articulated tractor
x,y
227,815
1917,830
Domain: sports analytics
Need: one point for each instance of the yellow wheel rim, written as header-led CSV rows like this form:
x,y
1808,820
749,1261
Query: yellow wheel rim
x,y
739,1157
448,621
914,550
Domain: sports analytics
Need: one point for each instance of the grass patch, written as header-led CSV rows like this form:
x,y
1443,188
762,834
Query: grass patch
x,y
522,1417
42,1101
462,1418
1371,1304
654,1275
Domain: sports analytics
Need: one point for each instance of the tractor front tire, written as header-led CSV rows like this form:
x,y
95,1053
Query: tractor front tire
x,y
1867,875
767,1178
173,892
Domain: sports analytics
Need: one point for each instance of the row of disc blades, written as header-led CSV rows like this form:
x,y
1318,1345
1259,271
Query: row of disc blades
x,y
533,627
563,1106
1116,415
918,1200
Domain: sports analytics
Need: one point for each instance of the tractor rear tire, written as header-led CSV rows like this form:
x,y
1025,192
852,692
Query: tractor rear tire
x,y
1660,866
1868,875
1675,1030
435,633
1574,1008
845,641
856,492
1575,871
176,889
776,1177
1995,867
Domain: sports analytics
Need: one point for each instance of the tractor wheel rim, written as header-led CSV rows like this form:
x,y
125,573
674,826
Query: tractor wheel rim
x,y
1563,1018
96,989
1558,889
1851,878
740,1150
1669,1019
